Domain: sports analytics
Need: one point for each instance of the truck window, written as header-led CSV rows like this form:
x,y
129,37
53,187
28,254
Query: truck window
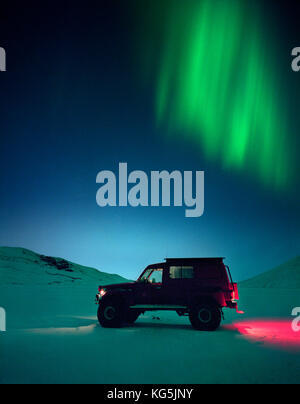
x,y
180,272
156,276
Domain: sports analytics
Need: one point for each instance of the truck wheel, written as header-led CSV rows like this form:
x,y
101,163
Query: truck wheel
x,y
132,316
205,317
110,313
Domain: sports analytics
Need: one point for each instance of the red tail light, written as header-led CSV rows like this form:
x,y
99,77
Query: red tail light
x,y
235,292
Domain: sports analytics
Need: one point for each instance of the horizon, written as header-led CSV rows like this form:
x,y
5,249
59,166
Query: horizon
x,y
150,263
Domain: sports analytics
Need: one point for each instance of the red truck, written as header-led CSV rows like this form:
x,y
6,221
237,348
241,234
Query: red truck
x,y
196,287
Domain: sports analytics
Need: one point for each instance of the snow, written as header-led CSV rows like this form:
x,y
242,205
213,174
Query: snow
x,y
53,336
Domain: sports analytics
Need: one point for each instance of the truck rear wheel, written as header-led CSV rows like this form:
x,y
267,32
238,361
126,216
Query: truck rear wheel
x,y
110,313
205,317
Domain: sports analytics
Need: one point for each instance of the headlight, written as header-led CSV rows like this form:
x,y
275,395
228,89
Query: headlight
x,y
102,292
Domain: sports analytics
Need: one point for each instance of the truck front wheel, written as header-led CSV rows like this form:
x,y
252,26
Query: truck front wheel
x,y
111,313
205,317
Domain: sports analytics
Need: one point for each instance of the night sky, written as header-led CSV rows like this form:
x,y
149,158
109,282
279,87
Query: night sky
x,y
92,84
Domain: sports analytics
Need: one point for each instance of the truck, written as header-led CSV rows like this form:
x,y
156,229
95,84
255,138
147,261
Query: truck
x,y
199,288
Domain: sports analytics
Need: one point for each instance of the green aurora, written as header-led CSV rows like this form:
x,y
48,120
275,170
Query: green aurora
x,y
216,84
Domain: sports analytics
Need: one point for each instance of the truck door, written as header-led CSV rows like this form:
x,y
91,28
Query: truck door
x,y
155,287
150,287
178,281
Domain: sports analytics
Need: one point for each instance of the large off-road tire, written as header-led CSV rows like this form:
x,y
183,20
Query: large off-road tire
x,y
205,317
111,313
131,316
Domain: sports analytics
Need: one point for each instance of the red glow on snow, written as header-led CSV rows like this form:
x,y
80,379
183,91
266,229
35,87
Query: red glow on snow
x,y
270,332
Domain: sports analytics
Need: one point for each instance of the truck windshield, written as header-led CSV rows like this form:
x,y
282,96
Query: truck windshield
x,y
152,275
145,275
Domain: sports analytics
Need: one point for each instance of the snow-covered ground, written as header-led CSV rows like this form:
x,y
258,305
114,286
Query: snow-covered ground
x,y
53,337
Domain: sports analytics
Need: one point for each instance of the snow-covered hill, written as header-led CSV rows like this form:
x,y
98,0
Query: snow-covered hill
x,y
285,276
19,266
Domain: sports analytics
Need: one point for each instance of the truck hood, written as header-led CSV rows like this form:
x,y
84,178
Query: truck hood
x,y
127,285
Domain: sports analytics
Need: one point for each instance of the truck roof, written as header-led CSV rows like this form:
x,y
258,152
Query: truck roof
x,y
194,260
